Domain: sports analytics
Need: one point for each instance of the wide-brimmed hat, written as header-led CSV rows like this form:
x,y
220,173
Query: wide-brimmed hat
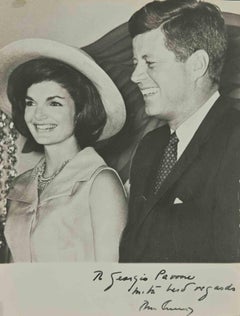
x,y
18,52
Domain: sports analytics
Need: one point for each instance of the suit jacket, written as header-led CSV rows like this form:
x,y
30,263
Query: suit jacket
x,y
205,226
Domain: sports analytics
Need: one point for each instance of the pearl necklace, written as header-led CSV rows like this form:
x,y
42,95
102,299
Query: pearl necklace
x,y
43,182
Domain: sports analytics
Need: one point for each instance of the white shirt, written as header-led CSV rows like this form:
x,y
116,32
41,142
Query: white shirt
x,y
188,128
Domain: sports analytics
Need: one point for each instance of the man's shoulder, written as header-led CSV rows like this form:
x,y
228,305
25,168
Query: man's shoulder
x,y
232,104
223,118
232,130
231,117
234,109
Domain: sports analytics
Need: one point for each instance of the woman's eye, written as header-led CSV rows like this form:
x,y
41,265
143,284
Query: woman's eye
x,y
54,103
29,103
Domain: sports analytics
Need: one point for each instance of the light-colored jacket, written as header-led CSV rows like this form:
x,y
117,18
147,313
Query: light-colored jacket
x,y
57,225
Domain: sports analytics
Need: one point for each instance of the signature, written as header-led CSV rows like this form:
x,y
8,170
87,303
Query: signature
x,y
166,306
146,306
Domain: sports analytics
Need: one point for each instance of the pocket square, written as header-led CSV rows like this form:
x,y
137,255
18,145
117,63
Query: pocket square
x,y
177,201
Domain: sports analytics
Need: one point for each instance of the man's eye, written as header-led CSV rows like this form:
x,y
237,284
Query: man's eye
x,y
150,64
134,64
54,103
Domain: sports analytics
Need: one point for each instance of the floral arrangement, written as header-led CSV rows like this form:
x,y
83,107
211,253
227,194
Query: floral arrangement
x,y
8,148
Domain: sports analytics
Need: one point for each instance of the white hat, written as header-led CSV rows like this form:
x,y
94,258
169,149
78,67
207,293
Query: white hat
x,y
18,52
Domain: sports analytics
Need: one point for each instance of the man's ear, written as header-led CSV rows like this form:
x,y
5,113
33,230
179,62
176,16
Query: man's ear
x,y
198,63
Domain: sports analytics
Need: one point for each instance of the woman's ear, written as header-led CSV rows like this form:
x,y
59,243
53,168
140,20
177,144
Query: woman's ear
x,y
97,131
198,63
76,118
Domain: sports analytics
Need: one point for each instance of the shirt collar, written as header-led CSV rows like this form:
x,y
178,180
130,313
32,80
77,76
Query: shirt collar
x,y
80,168
188,128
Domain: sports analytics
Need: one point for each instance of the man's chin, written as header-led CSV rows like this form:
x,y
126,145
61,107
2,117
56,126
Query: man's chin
x,y
150,110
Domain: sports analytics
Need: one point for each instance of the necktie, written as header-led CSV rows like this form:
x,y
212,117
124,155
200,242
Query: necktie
x,y
168,161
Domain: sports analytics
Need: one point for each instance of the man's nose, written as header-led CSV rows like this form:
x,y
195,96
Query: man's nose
x,y
138,74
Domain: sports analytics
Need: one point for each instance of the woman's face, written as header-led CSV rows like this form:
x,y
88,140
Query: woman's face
x,y
49,112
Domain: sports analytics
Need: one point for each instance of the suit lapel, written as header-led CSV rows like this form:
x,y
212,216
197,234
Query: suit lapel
x,y
203,133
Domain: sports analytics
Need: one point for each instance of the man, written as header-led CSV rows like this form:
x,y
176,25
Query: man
x,y
184,203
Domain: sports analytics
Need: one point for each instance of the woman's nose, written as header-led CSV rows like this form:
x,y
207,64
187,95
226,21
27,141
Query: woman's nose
x,y
40,113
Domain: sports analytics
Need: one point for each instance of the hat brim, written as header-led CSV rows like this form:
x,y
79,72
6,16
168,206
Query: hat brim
x,y
16,53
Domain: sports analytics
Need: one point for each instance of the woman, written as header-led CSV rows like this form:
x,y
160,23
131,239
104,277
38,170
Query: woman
x,y
70,206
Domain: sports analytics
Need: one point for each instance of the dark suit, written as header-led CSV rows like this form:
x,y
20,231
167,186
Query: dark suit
x,y
205,227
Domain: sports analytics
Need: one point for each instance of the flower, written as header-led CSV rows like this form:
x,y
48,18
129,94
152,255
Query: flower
x,y
8,159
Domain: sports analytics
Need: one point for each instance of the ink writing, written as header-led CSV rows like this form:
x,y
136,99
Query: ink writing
x,y
166,288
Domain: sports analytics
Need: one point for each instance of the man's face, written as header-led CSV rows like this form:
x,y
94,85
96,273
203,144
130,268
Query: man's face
x,y
163,81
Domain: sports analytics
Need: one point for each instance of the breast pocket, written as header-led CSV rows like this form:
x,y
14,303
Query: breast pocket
x,y
191,223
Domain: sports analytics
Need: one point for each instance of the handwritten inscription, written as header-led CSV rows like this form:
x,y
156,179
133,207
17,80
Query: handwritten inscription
x,y
168,287
118,276
134,282
166,306
146,306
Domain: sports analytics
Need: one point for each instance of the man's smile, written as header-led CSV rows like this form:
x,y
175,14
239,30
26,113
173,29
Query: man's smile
x,y
149,91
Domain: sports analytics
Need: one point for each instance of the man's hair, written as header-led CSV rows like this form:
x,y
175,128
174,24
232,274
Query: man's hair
x,y
188,26
90,115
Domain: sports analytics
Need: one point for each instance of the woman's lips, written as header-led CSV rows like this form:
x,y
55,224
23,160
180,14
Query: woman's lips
x,y
45,127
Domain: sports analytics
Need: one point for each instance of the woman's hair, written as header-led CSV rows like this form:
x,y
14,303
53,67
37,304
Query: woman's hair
x,y
90,113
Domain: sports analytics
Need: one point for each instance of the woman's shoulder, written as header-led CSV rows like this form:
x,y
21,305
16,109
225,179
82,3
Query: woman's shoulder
x,y
106,180
105,173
